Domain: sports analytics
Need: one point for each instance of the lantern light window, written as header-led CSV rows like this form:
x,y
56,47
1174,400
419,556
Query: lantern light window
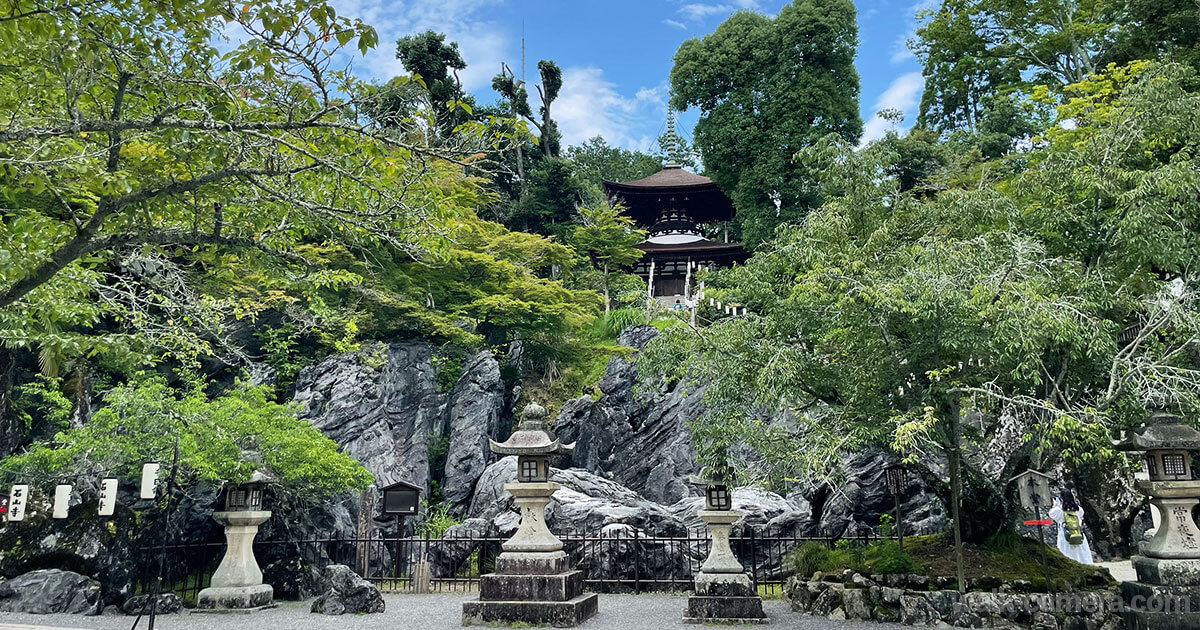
x,y
718,498
1151,465
1174,465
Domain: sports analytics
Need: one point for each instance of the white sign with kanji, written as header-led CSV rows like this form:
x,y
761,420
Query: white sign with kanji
x,y
108,497
18,497
149,480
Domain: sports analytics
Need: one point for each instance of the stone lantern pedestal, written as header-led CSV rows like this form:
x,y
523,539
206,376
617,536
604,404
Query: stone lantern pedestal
x,y
237,584
533,584
723,592
1166,595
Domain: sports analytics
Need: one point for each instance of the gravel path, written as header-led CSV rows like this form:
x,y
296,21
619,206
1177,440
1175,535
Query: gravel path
x,y
429,612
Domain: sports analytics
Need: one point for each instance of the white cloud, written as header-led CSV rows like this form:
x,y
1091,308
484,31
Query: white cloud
x,y
481,42
900,52
902,94
678,25
696,12
589,105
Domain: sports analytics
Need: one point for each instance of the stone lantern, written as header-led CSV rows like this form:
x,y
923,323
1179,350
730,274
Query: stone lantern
x,y
1169,568
723,591
533,583
237,583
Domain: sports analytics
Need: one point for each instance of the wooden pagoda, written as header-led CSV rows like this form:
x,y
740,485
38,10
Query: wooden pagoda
x,y
677,208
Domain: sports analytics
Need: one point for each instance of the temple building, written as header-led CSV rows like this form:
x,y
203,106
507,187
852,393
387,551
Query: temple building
x,y
678,208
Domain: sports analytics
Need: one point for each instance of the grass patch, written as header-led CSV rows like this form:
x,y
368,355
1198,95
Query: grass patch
x,y
1004,558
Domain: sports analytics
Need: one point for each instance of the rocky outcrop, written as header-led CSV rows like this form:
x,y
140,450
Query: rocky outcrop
x,y
51,591
475,414
345,592
380,404
640,442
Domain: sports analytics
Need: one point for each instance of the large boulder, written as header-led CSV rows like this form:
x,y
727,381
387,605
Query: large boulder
x,y
586,502
475,414
345,592
51,591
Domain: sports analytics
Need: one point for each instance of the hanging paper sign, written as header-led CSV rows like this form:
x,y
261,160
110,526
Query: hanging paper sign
x,y
108,497
149,480
62,500
17,498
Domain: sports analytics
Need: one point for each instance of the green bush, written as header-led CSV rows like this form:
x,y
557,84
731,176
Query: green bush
x,y
808,559
886,556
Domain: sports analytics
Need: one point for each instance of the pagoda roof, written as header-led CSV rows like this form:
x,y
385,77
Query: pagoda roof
x,y
734,252
676,187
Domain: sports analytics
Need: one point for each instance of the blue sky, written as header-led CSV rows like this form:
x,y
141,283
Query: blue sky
x,y
616,54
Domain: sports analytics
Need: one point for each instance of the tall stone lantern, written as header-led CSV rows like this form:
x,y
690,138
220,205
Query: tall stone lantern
x,y
1169,569
237,583
723,591
533,583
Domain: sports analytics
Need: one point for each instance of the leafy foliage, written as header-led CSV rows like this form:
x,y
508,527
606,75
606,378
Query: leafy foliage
x,y
780,82
225,438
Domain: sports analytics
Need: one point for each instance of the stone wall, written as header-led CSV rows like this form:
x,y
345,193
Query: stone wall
x,y
917,600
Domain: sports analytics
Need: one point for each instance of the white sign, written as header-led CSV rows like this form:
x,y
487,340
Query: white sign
x,y
108,497
62,500
149,480
17,498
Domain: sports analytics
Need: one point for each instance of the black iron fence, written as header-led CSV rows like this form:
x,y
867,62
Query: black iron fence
x,y
614,559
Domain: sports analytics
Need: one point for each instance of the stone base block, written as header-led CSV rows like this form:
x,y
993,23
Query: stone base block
x,y
724,585
566,614
235,597
713,609
1155,607
1167,571
540,588
532,563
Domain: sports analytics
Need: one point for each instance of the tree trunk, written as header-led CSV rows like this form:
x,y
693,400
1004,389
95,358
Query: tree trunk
x,y
607,301
11,431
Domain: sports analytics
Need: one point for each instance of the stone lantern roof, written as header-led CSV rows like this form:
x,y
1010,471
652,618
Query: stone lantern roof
x,y
1162,430
532,437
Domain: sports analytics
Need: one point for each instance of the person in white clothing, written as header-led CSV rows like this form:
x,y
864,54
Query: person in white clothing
x,y
1067,514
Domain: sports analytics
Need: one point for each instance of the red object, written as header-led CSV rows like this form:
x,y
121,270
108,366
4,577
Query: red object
x,y
1038,522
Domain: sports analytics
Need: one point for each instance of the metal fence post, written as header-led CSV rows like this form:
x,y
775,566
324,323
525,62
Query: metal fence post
x,y
637,564
753,560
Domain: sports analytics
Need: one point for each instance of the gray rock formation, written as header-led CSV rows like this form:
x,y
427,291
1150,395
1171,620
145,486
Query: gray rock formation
x,y
383,406
585,503
475,414
51,591
345,592
641,443
166,604
380,404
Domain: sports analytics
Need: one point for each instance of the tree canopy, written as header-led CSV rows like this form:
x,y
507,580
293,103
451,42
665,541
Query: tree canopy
x,y
780,82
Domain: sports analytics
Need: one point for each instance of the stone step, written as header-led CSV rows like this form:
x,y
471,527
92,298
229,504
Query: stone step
x,y
566,614
21,626
542,588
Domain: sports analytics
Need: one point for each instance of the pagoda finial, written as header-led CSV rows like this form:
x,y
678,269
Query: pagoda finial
x,y
672,146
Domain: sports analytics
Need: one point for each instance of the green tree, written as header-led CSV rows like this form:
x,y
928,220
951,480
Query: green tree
x,y
513,90
1060,301
225,438
607,237
437,63
139,157
596,161
767,88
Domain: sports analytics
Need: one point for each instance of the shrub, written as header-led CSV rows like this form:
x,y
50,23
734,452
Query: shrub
x,y
808,559
886,557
